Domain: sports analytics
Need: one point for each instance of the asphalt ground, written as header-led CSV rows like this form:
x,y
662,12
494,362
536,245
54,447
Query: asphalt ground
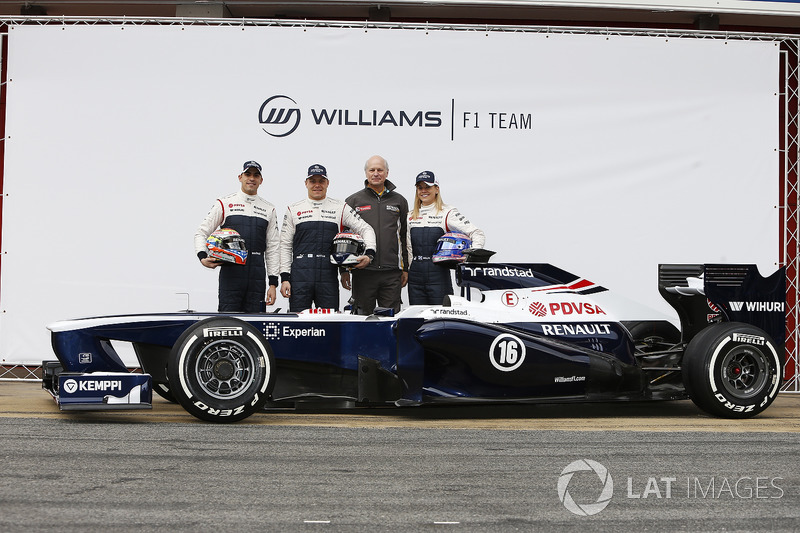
x,y
594,467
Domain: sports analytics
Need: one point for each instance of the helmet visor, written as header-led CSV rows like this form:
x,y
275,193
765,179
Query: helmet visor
x,y
235,243
344,247
451,244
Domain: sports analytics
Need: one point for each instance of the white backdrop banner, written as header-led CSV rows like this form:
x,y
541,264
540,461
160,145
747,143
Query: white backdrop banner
x,y
604,155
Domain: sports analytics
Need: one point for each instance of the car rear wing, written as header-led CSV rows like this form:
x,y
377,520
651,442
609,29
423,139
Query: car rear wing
x,y
709,293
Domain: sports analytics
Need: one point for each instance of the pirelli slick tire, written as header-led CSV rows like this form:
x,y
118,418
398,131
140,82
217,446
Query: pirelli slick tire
x,y
732,370
221,370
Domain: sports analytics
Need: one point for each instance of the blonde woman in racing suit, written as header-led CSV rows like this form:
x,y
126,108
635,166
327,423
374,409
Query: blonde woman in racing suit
x,y
428,282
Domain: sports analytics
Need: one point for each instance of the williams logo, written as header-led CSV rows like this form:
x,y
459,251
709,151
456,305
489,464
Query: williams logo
x,y
279,116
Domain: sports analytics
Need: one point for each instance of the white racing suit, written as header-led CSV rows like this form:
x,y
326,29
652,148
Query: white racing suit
x,y
242,288
309,227
428,282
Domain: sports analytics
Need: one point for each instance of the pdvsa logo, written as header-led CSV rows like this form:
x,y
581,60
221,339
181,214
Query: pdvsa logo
x,y
537,309
279,116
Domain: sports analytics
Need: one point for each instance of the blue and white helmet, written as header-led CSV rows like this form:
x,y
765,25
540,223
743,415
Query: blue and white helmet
x,y
451,248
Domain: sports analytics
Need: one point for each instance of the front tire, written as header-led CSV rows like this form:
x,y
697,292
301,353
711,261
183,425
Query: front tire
x,y
221,370
732,370
162,389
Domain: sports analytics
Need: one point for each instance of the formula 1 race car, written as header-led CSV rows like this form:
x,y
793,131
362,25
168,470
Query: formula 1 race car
x,y
516,333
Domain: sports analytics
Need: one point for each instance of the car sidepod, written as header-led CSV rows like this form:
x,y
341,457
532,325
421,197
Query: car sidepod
x,y
469,360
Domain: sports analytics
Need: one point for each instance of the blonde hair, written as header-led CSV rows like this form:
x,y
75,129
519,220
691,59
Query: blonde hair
x,y
418,203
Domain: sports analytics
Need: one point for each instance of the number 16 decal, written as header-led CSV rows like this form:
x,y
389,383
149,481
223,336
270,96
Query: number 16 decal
x,y
507,352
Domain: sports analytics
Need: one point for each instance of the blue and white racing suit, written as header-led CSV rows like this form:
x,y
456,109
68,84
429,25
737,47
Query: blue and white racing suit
x,y
428,282
242,288
309,227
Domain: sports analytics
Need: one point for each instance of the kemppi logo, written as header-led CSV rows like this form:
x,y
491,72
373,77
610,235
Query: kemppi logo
x,y
279,116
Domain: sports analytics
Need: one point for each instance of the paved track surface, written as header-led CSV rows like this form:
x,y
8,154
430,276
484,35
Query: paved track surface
x,y
635,467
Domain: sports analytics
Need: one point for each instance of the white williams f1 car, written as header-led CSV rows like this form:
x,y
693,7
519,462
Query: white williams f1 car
x,y
517,333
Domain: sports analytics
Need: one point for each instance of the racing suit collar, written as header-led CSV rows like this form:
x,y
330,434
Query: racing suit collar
x,y
248,197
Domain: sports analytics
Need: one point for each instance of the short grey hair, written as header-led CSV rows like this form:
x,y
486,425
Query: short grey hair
x,y
385,162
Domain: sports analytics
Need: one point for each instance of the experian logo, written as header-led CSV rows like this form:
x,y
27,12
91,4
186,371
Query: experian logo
x,y
273,331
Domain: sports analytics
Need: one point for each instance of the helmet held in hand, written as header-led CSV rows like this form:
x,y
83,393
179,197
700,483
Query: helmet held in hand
x,y
450,248
346,248
227,246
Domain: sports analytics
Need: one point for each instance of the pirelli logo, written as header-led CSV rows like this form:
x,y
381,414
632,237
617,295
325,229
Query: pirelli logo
x,y
749,339
231,331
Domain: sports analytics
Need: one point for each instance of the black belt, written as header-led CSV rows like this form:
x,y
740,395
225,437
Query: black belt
x,y
310,256
421,257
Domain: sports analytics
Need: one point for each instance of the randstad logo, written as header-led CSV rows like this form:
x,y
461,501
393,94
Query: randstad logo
x,y
279,116
566,478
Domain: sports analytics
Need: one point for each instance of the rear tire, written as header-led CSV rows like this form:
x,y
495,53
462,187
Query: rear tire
x,y
732,370
221,370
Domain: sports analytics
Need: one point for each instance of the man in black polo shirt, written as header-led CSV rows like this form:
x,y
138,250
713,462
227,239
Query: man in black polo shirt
x,y
387,212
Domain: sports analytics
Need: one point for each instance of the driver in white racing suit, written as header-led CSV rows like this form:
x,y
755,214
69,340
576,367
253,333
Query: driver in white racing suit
x,y
243,288
429,282
309,226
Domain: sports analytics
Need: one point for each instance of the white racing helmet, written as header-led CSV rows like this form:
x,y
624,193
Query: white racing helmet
x,y
346,248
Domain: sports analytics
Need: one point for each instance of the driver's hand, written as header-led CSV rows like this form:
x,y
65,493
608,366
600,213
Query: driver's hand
x,y
363,261
210,263
271,293
286,289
